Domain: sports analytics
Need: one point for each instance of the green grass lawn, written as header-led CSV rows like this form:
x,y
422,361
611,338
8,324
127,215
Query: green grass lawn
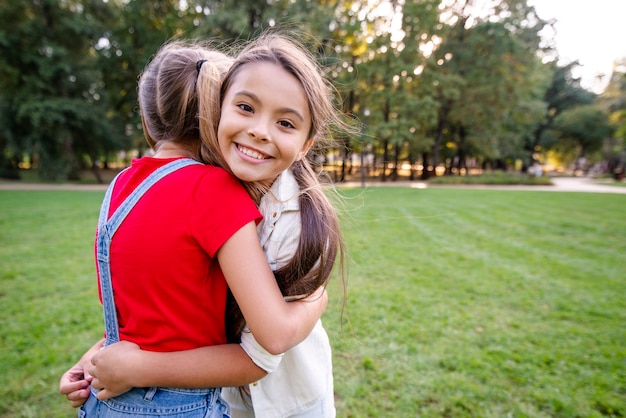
x,y
461,303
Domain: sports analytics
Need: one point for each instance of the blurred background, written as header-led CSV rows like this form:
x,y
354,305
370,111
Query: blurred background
x,y
438,87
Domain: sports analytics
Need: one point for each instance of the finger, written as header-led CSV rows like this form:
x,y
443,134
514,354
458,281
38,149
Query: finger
x,y
68,388
78,395
103,395
78,403
78,398
95,383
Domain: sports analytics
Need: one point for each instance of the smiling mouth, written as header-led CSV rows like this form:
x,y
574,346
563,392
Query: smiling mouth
x,y
252,153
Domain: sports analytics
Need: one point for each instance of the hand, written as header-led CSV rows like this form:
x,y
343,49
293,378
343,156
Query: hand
x,y
111,369
74,384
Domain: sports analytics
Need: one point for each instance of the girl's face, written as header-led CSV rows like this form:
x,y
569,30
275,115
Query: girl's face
x,y
265,122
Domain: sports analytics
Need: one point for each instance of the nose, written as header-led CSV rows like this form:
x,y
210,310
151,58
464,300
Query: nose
x,y
260,132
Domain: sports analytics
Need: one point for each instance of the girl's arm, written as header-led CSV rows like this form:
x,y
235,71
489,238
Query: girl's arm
x,y
121,366
276,324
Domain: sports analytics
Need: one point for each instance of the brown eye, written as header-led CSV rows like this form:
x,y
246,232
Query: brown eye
x,y
245,107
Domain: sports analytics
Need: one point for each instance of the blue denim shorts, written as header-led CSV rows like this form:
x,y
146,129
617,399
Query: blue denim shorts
x,y
158,402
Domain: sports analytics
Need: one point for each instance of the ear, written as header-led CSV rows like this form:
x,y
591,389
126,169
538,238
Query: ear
x,y
305,148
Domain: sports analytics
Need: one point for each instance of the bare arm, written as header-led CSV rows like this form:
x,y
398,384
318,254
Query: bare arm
x,y
276,324
119,367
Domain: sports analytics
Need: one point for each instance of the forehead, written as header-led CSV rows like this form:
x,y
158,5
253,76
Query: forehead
x,y
270,83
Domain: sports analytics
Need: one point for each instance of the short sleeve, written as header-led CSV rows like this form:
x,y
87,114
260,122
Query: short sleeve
x,y
221,207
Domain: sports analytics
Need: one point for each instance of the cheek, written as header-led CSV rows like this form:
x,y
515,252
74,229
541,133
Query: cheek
x,y
225,149
221,137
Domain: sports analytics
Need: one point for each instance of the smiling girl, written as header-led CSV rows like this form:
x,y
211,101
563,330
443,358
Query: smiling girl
x,y
275,105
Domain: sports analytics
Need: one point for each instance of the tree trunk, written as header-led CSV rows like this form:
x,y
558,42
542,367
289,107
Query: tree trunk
x,y
385,160
396,159
425,173
462,152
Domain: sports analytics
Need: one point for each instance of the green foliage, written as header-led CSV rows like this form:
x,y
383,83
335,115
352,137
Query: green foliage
x,y
613,101
431,73
50,82
498,101
461,303
585,126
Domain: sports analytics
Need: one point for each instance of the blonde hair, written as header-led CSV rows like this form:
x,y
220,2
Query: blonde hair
x,y
168,101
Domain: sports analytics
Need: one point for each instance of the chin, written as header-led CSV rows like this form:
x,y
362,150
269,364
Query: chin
x,y
245,177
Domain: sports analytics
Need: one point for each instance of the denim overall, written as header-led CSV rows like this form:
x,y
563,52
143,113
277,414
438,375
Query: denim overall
x,y
142,402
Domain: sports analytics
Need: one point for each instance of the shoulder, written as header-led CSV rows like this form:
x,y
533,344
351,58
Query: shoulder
x,y
209,176
209,186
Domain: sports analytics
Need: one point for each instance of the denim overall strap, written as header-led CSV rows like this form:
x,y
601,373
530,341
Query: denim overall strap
x,y
106,230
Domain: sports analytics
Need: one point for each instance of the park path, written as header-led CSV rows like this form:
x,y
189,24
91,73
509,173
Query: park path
x,y
560,184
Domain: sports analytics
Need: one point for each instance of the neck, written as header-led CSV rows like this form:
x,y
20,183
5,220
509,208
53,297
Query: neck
x,y
172,151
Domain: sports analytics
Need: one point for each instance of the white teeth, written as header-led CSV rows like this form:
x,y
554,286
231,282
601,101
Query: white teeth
x,y
251,153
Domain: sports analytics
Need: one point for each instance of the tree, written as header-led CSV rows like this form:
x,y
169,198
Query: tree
x,y
401,107
564,92
582,130
48,76
487,83
442,79
613,101
139,29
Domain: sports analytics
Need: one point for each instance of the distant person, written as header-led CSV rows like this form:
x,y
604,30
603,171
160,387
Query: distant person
x,y
536,170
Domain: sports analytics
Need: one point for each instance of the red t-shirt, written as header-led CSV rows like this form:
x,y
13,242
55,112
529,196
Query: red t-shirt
x,y
170,293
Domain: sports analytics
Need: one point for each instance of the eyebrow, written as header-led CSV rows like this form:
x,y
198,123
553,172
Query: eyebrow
x,y
255,98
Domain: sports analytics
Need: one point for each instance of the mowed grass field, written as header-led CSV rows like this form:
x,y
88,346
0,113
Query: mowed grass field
x,y
460,303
